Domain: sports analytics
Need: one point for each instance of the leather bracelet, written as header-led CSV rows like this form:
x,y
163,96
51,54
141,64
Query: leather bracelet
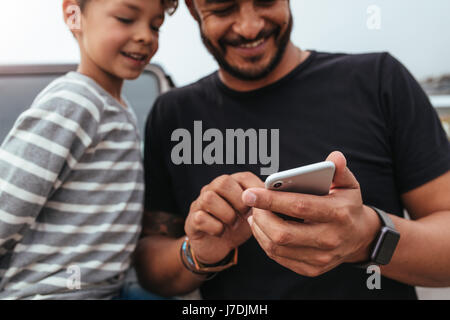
x,y
186,260
191,263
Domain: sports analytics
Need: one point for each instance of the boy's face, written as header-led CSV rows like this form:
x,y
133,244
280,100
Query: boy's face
x,y
120,37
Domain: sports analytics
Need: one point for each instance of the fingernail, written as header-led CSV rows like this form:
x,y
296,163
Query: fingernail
x,y
249,198
250,221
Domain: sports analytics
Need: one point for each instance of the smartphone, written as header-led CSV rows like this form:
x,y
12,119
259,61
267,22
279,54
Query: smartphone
x,y
313,179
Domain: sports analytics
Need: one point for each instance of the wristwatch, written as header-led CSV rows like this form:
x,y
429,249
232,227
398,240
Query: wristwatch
x,y
385,242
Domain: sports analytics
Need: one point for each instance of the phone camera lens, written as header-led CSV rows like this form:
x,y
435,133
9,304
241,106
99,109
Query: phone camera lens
x,y
277,185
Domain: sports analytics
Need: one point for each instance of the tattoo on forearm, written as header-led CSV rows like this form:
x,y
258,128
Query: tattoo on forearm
x,y
162,223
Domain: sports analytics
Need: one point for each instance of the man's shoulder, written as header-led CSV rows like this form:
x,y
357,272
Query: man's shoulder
x,y
357,61
171,105
191,92
352,57
346,58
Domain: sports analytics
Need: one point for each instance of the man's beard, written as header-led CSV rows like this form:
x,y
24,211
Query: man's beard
x,y
281,42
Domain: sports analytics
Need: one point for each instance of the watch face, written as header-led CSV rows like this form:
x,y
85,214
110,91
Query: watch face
x,y
385,247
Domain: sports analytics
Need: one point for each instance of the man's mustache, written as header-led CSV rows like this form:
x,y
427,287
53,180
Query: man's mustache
x,y
238,40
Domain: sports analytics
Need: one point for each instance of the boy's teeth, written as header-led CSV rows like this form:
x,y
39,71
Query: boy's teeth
x,y
135,56
253,44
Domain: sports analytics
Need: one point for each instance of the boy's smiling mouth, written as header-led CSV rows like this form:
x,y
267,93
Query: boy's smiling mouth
x,y
135,56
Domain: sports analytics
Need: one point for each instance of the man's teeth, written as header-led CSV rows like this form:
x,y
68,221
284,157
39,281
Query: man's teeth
x,y
253,44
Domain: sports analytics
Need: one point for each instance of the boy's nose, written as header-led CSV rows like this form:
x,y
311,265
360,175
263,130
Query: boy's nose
x,y
248,23
144,36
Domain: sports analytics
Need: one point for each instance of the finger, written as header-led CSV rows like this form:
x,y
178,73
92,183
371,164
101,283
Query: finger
x,y
343,177
260,236
296,265
287,233
313,255
248,180
216,206
231,191
200,222
303,268
297,205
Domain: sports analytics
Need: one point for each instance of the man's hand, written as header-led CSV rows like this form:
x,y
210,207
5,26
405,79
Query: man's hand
x,y
338,227
217,223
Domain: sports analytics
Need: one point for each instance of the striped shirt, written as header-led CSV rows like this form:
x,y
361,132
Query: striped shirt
x,y
71,194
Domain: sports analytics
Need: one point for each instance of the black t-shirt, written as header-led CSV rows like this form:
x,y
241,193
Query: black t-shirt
x,y
367,106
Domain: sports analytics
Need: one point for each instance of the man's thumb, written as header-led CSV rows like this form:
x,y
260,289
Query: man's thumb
x,y
343,177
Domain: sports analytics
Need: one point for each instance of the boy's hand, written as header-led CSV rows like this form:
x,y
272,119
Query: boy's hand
x,y
217,221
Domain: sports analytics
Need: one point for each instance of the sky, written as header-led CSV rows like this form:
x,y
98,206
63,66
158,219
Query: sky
x,y
414,31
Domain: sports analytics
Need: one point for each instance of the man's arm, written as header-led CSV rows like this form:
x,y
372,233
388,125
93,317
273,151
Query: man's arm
x,y
422,257
158,265
215,225
421,151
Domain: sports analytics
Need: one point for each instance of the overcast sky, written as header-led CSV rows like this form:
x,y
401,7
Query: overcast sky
x,y
415,31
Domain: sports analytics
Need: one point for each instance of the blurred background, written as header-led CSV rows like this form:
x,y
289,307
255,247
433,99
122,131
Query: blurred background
x,y
414,31
33,32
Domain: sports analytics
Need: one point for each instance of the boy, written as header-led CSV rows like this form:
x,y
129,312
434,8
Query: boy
x,y
71,179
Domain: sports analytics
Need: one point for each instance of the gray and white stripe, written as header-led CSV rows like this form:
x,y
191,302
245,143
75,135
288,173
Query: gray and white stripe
x,y
71,193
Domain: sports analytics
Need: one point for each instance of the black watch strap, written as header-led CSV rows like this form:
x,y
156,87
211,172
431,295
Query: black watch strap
x,y
387,224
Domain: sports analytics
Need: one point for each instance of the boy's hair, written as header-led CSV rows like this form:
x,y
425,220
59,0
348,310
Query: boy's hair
x,y
169,5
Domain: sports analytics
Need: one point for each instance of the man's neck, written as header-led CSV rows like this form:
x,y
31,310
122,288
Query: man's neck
x,y
292,58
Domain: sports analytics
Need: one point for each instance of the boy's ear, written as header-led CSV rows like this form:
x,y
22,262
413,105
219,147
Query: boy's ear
x,y
72,15
191,6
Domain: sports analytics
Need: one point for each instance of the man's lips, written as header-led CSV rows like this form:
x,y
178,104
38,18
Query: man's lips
x,y
253,48
239,41
250,48
252,44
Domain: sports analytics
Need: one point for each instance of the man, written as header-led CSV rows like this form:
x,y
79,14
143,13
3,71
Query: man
x,y
202,213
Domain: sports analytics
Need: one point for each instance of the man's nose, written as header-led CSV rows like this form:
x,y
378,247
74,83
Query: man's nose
x,y
248,23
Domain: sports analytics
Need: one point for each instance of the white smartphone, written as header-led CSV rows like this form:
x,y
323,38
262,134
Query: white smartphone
x,y
311,179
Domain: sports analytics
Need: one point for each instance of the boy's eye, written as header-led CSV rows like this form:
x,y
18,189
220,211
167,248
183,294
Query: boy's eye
x,y
124,20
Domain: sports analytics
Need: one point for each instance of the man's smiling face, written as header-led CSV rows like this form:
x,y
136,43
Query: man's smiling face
x,y
246,37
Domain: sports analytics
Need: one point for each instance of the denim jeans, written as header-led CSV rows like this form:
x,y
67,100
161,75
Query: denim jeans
x,y
133,291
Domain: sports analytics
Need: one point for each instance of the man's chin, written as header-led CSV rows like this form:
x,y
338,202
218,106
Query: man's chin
x,y
252,72
248,74
253,68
